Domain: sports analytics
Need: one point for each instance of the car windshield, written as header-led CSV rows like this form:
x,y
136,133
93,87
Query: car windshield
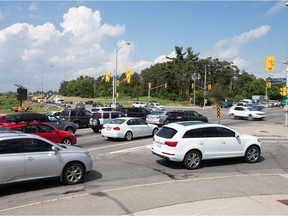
x,y
117,121
166,132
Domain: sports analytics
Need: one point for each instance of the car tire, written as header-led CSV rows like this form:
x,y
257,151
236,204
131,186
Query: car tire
x,y
70,129
252,154
95,129
67,141
77,124
128,136
73,173
155,130
192,160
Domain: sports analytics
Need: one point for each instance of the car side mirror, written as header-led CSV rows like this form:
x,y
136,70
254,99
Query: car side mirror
x,y
237,135
55,149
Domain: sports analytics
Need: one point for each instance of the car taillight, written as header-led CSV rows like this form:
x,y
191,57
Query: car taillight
x,y
69,118
116,128
158,117
126,114
179,117
102,115
171,143
103,127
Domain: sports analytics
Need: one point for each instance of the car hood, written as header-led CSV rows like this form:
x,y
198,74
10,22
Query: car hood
x,y
71,148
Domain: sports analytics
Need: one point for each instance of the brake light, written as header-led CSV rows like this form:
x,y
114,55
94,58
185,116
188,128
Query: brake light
x,y
116,128
171,143
102,115
158,117
103,127
179,117
69,118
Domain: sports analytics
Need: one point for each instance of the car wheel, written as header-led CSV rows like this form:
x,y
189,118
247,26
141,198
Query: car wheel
x,y
73,173
95,129
70,129
67,141
192,160
128,136
155,130
252,154
77,124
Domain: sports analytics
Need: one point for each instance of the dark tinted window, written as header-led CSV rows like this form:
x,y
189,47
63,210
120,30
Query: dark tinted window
x,y
224,132
96,115
35,145
65,113
201,132
166,132
10,146
106,115
140,122
45,129
116,115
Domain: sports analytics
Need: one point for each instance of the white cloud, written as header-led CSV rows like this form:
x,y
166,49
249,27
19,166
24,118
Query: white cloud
x,y
33,6
26,51
229,49
277,7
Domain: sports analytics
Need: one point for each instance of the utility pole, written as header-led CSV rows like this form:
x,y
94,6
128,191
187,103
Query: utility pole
x,y
205,77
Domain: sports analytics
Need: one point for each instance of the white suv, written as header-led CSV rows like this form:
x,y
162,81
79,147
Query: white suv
x,y
192,142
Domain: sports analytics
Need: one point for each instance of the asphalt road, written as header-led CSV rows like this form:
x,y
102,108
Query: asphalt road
x,y
127,178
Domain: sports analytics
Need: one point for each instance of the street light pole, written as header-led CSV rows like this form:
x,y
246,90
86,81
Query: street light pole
x,y
115,76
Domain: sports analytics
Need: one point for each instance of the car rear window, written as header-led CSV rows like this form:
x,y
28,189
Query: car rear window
x,y
117,121
166,132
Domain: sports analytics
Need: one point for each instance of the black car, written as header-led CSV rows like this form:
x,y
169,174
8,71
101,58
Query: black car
x,y
47,118
139,112
185,115
80,117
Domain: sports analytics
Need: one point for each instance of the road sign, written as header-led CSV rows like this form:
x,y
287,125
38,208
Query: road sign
x,y
279,79
285,100
218,111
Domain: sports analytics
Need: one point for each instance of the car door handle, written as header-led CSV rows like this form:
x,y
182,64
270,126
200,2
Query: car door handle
x,y
30,159
201,143
223,142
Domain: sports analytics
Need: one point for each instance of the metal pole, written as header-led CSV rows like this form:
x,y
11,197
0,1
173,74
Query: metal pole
x,y
115,77
194,96
205,86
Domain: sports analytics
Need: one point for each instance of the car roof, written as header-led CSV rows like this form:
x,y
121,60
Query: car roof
x,y
5,135
21,124
192,124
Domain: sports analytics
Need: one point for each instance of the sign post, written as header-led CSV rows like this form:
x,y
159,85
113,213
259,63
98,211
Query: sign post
x,y
218,112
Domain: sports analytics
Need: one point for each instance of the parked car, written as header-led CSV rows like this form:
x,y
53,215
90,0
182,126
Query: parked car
x,y
128,128
37,158
157,117
80,105
78,116
154,106
138,104
44,130
244,112
47,118
185,115
193,142
102,117
139,112
226,105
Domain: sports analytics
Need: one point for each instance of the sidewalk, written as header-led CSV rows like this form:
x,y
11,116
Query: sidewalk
x,y
253,205
264,130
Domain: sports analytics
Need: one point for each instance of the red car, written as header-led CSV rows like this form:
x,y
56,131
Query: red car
x,y
44,130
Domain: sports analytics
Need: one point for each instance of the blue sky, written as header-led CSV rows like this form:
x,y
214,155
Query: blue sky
x,y
61,40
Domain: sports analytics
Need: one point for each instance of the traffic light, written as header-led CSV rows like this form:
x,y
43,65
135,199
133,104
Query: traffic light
x,y
117,82
166,86
269,84
149,85
192,86
270,63
209,87
107,77
283,91
128,75
117,94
